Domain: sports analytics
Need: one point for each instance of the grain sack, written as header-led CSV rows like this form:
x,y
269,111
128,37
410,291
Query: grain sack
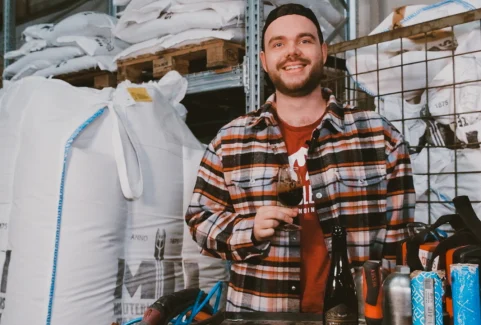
x,y
191,36
321,8
93,46
34,45
228,10
87,23
78,64
174,23
41,60
67,207
155,224
121,2
139,11
37,32
450,107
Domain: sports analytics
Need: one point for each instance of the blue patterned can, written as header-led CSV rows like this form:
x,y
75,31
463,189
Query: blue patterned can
x,y
466,299
427,293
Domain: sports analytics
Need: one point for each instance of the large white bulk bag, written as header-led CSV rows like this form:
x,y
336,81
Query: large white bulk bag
x,y
444,184
68,215
383,74
447,106
155,225
406,117
8,145
174,23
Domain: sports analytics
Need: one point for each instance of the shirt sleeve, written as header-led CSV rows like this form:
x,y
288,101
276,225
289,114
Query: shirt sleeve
x,y
400,200
211,217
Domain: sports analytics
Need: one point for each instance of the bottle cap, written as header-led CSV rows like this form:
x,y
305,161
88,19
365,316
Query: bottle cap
x,y
338,231
403,269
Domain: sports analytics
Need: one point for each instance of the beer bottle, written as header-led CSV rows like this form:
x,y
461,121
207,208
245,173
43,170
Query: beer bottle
x,y
340,300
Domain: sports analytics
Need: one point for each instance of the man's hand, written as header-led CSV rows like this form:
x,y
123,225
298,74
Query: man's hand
x,y
270,217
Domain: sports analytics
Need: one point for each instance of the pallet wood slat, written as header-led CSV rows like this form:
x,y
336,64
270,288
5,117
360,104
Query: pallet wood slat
x,y
217,53
94,78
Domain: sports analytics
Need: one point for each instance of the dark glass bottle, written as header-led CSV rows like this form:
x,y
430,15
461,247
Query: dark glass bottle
x,y
340,300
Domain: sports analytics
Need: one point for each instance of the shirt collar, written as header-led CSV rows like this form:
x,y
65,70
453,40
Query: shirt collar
x,y
265,115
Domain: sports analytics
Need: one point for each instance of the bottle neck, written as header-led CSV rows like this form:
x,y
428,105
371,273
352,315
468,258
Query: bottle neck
x,y
339,244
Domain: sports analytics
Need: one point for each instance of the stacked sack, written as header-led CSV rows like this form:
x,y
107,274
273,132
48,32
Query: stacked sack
x,y
432,120
79,42
155,25
94,185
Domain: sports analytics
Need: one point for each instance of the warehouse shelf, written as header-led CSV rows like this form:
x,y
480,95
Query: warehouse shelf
x,y
212,80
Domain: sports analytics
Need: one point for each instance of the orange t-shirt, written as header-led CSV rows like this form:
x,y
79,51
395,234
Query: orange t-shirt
x,y
314,254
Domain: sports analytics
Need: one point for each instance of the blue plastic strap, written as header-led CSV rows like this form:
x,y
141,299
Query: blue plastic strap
x,y
67,148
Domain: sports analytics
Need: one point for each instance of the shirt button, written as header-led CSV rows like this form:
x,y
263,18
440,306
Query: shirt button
x,y
253,181
294,238
293,288
318,195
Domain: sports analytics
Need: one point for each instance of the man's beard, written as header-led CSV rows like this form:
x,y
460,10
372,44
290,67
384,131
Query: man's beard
x,y
299,89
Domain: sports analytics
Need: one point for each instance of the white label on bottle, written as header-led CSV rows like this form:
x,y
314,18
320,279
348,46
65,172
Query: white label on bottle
x,y
429,310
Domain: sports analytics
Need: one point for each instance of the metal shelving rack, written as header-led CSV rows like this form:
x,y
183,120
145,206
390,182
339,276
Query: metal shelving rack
x,y
248,75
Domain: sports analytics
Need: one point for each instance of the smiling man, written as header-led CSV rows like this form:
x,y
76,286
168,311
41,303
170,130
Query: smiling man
x,y
354,166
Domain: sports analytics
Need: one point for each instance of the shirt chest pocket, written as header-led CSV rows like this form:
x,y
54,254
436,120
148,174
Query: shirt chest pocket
x,y
362,178
360,194
253,187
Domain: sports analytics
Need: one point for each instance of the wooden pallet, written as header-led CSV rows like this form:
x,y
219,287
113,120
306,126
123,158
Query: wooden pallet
x,y
93,78
208,55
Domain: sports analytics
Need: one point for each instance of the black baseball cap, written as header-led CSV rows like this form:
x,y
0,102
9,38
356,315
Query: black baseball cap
x,y
291,9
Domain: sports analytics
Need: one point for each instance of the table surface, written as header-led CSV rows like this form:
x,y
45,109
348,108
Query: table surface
x,y
272,319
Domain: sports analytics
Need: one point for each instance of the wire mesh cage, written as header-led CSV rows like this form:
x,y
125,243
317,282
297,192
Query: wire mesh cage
x,y
424,78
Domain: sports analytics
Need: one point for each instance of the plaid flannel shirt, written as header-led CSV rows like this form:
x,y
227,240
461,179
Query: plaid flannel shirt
x,y
361,177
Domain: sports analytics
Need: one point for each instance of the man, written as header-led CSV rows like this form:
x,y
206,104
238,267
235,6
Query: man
x,y
354,165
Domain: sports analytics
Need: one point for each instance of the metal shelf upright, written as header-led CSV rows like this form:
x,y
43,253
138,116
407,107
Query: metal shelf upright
x,y
254,74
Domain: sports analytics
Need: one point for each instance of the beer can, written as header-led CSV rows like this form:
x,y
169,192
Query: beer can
x,y
465,289
427,293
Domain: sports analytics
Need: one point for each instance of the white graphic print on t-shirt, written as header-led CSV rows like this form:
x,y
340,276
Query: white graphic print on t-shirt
x,y
298,160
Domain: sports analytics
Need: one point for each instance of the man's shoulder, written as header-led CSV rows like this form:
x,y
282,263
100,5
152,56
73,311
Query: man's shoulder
x,y
241,123
362,120
356,117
